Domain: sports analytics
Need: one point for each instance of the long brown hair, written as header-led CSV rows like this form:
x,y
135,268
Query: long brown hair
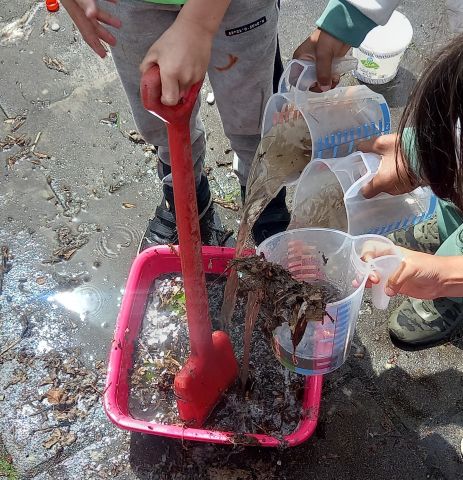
x,y
435,111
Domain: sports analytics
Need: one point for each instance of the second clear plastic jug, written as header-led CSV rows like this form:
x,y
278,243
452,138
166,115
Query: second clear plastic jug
x,y
328,194
333,259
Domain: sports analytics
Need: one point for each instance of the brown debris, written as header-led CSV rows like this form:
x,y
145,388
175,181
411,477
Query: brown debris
x,y
224,161
15,122
41,155
55,64
74,389
229,205
11,140
55,396
69,243
60,438
116,186
292,301
133,136
5,264
21,155
9,347
111,119
19,376
252,311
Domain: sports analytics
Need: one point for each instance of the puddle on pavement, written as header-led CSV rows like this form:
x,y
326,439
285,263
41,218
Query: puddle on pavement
x,y
54,306
87,301
115,239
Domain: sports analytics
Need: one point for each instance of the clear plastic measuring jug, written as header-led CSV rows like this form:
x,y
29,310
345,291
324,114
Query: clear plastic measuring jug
x,y
329,194
332,122
333,259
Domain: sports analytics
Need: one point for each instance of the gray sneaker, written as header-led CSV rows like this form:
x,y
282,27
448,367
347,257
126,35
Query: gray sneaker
x,y
423,237
425,323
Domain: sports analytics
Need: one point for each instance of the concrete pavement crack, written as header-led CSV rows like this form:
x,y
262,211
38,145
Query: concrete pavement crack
x,y
2,109
56,460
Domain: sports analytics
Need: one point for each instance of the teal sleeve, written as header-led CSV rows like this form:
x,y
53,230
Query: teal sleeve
x,y
344,22
409,148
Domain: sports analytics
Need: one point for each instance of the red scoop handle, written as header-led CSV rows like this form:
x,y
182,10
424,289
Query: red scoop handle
x,y
177,119
150,90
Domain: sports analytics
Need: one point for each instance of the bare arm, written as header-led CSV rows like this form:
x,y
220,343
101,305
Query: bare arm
x,y
184,50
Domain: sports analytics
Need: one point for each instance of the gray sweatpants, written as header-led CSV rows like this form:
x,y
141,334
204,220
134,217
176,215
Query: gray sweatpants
x,y
240,72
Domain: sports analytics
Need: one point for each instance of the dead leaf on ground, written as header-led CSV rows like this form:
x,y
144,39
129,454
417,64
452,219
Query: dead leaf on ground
x,y
224,161
65,253
52,440
15,122
55,395
41,155
40,280
149,148
116,186
111,119
46,381
128,205
55,64
229,205
133,136
19,376
21,155
58,437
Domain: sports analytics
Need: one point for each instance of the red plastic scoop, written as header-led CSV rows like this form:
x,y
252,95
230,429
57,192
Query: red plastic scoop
x,y
211,367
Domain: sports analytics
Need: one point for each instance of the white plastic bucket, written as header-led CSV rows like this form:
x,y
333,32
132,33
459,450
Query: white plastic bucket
x,y
380,53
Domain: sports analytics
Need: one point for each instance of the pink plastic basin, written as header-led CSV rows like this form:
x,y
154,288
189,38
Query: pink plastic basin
x,y
148,266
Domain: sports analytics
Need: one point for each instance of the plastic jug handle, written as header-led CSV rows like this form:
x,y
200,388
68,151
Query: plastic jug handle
x,y
371,161
385,267
306,71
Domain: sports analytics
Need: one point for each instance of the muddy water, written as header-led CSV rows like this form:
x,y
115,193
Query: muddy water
x,y
282,155
322,206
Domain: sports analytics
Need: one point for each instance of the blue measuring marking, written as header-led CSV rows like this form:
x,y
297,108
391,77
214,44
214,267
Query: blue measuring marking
x,y
432,205
397,225
342,318
386,117
350,136
407,221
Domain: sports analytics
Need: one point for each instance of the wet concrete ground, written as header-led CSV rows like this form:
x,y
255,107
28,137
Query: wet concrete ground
x,y
72,214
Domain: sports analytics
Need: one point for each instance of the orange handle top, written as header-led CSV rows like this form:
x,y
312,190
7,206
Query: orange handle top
x,y
150,91
52,5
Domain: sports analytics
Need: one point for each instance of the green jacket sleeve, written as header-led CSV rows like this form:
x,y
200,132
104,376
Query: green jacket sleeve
x,y
344,22
409,148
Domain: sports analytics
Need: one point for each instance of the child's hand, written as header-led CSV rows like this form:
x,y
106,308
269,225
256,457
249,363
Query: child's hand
x,y
392,175
92,10
422,275
183,54
89,19
322,48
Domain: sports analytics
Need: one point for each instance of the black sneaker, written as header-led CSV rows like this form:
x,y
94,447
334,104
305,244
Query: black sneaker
x,y
162,229
274,219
